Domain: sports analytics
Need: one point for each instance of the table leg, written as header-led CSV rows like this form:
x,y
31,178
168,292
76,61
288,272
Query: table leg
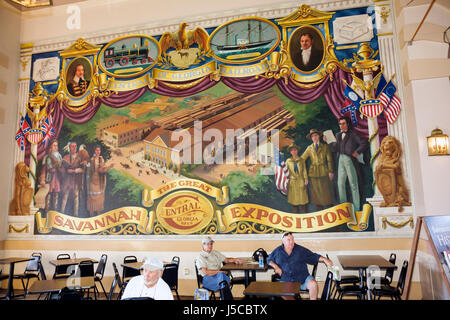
x,y
10,281
247,276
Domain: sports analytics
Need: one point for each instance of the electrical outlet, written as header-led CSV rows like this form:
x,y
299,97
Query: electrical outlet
x,y
186,271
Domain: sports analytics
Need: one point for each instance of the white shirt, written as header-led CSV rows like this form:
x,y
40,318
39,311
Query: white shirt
x,y
306,54
136,288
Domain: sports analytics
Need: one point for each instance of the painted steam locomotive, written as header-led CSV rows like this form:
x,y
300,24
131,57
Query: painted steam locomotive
x,y
123,56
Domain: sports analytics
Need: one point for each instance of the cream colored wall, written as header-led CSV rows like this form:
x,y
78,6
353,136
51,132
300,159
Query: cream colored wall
x,y
425,73
10,22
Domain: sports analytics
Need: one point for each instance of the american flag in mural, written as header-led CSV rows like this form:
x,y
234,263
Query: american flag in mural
x,y
390,102
281,172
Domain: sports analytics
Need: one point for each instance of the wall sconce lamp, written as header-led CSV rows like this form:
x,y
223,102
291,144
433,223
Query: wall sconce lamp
x,y
437,143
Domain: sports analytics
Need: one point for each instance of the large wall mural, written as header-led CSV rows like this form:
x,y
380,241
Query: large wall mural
x,y
233,129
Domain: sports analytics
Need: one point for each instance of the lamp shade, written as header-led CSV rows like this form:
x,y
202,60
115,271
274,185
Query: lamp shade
x,y
437,143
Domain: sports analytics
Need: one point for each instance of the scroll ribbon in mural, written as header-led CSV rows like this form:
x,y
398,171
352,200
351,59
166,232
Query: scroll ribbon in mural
x,y
57,220
311,222
221,195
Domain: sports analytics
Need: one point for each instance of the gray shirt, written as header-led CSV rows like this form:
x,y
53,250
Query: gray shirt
x,y
212,260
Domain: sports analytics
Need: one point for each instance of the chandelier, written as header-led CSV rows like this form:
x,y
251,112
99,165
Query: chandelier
x,y
32,3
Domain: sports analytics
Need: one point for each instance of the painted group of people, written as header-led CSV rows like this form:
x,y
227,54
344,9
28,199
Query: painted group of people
x,y
75,176
320,174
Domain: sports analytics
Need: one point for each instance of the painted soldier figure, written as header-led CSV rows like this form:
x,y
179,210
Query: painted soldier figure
x,y
51,176
78,85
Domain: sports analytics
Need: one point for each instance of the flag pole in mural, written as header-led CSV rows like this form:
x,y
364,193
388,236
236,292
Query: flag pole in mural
x,y
377,98
118,107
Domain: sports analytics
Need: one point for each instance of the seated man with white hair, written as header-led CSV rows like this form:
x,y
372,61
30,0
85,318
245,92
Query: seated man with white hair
x,y
149,284
209,263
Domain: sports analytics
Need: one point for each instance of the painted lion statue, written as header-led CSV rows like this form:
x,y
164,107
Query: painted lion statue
x,y
23,192
389,176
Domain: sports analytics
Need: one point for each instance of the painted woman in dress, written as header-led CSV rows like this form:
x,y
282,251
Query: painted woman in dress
x,y
97,183
298,180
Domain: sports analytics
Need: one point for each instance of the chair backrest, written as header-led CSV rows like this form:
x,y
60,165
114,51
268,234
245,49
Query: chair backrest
x,y
327,286
402,276
390,271
116,282
129,272
101,266
225,291
85,269
62,269
117,275
176,260
199,276
314,270
68,294
33,265
170,275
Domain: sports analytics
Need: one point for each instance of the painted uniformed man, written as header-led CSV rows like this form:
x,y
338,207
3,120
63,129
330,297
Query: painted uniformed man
x,y
50,175
78,85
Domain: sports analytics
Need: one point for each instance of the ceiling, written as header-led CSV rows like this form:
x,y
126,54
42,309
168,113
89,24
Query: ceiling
x,y
53,3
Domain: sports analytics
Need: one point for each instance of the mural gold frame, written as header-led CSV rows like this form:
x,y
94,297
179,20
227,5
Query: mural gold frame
x,y
158,57
307,16
79,49
217,29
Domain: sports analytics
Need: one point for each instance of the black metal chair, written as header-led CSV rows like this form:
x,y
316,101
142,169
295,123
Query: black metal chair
x,y
393,292
387,279
225,291
212,293
128,273
170,275
63,271
326,291
32,270
345,279
358,290
98,276
86,269
116,282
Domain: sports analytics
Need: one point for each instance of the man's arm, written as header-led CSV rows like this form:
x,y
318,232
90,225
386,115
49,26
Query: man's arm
x,y
327,261
362,143
233,260
276,268
210,272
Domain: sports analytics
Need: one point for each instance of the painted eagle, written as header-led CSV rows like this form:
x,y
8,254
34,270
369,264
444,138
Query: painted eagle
x,y
183,39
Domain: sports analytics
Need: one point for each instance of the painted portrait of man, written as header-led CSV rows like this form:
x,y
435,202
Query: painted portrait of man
x,y
78,77
306,49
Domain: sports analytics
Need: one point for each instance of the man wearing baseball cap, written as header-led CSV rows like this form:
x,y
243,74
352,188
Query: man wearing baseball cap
x,y
289,260
149,284
209,263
